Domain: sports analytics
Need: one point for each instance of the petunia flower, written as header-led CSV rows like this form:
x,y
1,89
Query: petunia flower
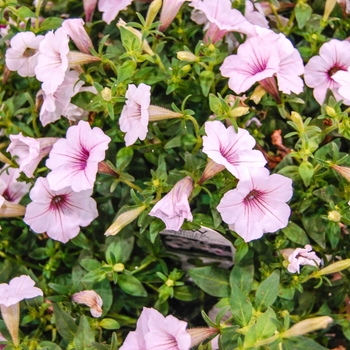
x,y
343,79
256,62
10,209
23,54
111,8
74,160
59,213
11,294
257,205
255,14
11,189
154,331
169,11
138,111
174,208
91,299
222,17
319,71
89,8
29,151
299,257
231,150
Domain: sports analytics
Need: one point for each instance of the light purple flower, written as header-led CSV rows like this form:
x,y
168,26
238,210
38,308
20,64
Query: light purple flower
x,y
89,8
255,14
257,205
343,79
231,150
222,17
154,331
57,103
19,288
59,213
53,61
174,208
301,256
111,8
169,11
29,151
11,189
74,27
74,160
256,62
23,54
320,69
135,116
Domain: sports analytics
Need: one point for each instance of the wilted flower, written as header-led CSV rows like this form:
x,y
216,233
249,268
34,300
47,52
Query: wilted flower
x,y
23,54
174,208
154,331
91,299
257,205
299,257
320,69
111,8
29,151
59,213
231,150
89,8
11,294
74,160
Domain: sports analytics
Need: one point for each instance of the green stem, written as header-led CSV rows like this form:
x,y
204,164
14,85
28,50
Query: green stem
x,y
196,130
135,187
142,267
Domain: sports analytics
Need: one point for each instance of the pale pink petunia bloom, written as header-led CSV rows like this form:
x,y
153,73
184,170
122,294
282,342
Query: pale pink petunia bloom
x,y
257,205
19,288
301,256
11,189
154,331
319,71
74,160
59,213
255,14
256,62
53,61
111,8
56,104
222,17
74,27
89,8
343,79
91,299
169,11
23,54
29,151
232,150
174,208
134,117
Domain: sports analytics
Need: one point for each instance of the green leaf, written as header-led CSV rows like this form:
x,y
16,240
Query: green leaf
x,y
174,142
131,285
84,336
24,12
81,241
126,70
65,324
241,251
104,290
241,306
302,13
242,277
267,292
264,327
124,157
90,264
121,247
315,228
59,289
212,279
50,24
306,171
109,323
296,234
47,345
187,293
206,80
94,276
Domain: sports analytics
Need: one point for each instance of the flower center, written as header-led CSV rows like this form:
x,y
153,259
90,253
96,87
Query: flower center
x,y
334,70
251,196
29,52
58,202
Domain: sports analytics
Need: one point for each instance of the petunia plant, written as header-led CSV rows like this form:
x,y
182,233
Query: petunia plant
x,y
174,175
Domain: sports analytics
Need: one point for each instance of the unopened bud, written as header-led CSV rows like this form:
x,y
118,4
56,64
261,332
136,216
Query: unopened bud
x,y
185,69
153,10
169,283
342,170
331,112
307,326
198,335
76,58
238,112
328,8
9,209
333,268
159,113
298,120
106,94
186,56
118,267
334,215
258,94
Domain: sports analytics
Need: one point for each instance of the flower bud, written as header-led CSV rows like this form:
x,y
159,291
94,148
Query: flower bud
x,y
159,113
186,56
153,10
307,326
296,118
210,171
91,299
10,315
342,170
335,267
334,215
76,58
328,8
200,334
331,112
238,112
9,209
106,94
258,94
118,267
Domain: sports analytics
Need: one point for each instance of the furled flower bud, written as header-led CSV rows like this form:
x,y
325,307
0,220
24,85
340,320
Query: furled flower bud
x,y
200,334
106,94
119,267
9,209
334,215
153,10
342,170
91,299
186,56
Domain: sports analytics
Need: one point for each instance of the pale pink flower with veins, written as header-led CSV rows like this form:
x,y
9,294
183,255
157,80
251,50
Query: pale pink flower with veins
x,y
134,117
256,62
174,208
91,299
343,79
154,331
257,205
23,54
74,160
319,71
301,256
89,8
29,151
231,150
74,27
11,189
255,14
170,8
111,8
59,213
